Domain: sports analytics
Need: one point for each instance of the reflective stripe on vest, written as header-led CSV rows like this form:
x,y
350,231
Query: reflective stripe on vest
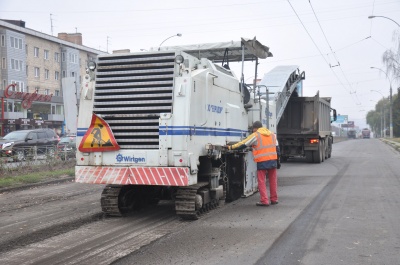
x,y
265,149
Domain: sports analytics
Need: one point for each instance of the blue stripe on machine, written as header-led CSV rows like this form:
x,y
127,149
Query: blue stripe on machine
x,y
81,131
200,131
188,130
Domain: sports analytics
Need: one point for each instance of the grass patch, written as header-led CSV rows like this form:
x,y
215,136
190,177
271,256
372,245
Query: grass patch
x,y
35,177
29,172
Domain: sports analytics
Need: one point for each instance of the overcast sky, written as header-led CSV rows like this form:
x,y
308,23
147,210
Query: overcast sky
x,y
334,42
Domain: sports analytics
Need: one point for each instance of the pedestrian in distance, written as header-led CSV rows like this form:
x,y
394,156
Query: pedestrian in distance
x,y
266,154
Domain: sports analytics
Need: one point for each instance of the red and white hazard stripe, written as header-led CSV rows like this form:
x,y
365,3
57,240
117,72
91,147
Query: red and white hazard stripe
x,y
164,176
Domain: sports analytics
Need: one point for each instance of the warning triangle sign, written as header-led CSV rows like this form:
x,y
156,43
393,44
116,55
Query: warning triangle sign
x,y
99,137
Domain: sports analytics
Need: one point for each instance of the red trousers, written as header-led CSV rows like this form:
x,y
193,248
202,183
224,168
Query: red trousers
x,y
273,185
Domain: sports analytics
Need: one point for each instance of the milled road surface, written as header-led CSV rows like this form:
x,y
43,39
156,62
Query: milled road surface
x,y
342,211
63,223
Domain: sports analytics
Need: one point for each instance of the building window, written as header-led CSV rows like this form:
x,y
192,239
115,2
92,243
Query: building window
x,y
47,91
26,49
36,51
63,56
4,84
37,72
64,74
16,65
73,58
17,107
16,43
27,70
46,54
3,40
57,57
9,106
57,92
59,110
46,74
20,86
3,63
56,75
72,74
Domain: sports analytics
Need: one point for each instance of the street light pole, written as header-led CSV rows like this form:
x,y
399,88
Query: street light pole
x,y
386,18
176,35
390,102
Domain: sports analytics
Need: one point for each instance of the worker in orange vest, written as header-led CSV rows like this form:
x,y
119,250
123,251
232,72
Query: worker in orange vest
x,y
266,154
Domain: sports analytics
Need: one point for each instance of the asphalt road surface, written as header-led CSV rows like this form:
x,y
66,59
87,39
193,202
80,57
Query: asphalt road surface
x,y
342,211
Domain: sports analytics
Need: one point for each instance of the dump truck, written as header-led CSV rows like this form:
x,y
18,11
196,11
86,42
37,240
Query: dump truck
x,y
304,129
366,133
352,134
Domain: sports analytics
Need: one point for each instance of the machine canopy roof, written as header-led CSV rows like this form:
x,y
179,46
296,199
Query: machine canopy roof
x,y
215,51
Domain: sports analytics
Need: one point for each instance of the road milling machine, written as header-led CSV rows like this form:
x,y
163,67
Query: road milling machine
x,y
152,126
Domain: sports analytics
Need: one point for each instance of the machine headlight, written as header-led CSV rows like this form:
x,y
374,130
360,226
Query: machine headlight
x,y
179,59
92,65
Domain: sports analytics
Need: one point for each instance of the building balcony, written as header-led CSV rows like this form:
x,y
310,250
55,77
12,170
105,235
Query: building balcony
x,y
13,115
55,117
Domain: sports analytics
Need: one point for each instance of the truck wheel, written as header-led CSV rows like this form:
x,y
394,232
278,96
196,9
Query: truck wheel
x,y
317,155
330,140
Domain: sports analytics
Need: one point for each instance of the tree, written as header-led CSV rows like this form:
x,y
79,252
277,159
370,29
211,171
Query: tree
x,y
391,59
375,117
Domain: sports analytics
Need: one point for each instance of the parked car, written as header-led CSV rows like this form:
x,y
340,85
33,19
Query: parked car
x,y
67,147
22,144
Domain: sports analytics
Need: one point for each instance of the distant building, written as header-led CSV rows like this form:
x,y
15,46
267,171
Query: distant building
x,y
36,63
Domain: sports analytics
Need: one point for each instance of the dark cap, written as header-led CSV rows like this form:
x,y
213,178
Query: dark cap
x,y
257,124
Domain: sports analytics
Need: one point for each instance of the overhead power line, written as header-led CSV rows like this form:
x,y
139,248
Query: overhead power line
x,y
353,95
330,47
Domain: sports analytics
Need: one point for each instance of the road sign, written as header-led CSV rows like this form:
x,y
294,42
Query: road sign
x,y
342,118
99,137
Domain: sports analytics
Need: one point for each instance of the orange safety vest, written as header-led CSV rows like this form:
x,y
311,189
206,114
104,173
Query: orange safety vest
x,y
265,149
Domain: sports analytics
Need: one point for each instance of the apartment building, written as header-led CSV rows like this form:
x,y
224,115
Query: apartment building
x,y
33,65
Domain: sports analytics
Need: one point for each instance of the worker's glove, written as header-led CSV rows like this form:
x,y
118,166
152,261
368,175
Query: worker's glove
x,y
227,147
278,163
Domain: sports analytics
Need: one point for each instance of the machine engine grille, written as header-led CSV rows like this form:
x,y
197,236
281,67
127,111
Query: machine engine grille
x,y
131,92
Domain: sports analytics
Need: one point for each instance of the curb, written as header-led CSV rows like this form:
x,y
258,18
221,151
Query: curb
x,y
393,144
37,184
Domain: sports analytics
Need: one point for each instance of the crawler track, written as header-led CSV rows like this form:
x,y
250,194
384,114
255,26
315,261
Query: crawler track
x,y
185,202
109,200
